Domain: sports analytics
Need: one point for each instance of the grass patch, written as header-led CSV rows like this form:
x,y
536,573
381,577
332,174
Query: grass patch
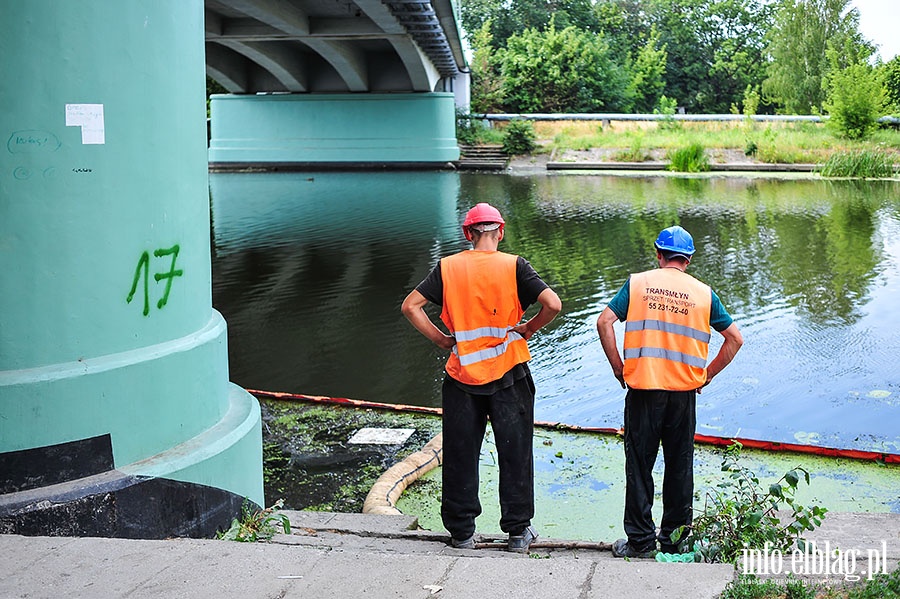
x,y
775,142
689,159
748,586
865,164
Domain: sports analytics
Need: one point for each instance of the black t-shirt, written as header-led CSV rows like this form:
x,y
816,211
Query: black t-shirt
x,y
529,286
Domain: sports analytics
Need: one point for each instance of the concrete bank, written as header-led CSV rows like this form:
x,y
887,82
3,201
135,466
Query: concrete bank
x,y
351,555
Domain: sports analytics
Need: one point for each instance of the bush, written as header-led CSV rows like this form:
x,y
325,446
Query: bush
x,y
855,101
568,70
667,108
691,159
518,137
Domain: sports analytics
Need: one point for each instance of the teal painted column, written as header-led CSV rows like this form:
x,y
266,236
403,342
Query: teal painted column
x,y
108,339
341,129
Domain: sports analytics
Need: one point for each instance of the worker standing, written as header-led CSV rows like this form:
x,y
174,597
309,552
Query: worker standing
x,y
484,294
668,317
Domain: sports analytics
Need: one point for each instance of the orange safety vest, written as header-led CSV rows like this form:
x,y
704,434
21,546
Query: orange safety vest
x,y
481,305
667,331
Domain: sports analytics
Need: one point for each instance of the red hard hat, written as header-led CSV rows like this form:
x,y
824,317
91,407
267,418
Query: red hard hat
x,y
482,213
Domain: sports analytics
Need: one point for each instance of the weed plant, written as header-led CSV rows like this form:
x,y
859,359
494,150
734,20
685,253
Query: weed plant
x,y
749,586
258,525
864,164
740,514
471,131
635,153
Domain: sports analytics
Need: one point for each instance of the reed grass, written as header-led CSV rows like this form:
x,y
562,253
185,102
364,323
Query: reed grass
x,y
863,164
689,159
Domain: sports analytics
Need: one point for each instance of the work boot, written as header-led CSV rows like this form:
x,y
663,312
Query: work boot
x,y
622,548
464,543
520,543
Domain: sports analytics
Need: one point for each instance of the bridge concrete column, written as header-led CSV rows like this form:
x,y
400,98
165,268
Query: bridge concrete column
x,y
116,414
399,129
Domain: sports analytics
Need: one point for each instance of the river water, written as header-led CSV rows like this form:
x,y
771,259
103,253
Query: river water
x,y
309,270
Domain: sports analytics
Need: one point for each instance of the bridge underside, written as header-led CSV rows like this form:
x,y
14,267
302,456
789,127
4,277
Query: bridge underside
x,y
334,82
334,46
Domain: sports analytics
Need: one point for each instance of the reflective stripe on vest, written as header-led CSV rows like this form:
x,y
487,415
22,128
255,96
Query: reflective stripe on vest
x,y
665,354
668,327
480,307
489,353
667,331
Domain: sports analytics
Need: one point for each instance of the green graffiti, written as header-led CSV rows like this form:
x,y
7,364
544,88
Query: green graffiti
x,y
143,270
144,263
173,251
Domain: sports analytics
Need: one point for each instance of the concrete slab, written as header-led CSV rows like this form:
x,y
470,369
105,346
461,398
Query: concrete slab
x,y
499,578
362,524
319,561
647,579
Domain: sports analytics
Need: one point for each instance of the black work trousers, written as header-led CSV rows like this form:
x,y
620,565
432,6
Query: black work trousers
x,y
465,415
651,418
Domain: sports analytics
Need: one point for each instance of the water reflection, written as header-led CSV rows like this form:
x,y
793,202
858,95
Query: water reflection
x,y
309,270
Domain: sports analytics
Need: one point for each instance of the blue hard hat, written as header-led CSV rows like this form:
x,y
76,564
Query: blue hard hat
x,y
676,240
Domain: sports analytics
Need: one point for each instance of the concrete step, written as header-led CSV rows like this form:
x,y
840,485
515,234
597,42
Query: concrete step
x,y
486,157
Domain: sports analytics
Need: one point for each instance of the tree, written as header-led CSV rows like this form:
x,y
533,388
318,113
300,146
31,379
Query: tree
x,y
568,70
625,25
487,82
890,72
715,49
648,72
798,44
512,17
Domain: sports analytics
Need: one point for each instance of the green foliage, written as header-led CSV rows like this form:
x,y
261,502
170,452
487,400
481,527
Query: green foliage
x,y
689,159
748,586
518,137
882,586
715,49
560,71
890,72
647,74
487,81
635,152
751,148
472,131
259,525
741,514
514,17
798,43
751,101
667,107
855,100
859,164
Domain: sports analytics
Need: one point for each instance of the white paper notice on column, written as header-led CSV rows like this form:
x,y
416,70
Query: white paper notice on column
x,y
90,118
